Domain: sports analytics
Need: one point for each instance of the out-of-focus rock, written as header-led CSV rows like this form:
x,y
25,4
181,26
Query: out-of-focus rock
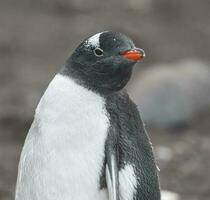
x,y
168,195
172,94
163,153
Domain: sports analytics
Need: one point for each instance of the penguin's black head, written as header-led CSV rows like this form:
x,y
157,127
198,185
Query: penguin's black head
x,y
103,62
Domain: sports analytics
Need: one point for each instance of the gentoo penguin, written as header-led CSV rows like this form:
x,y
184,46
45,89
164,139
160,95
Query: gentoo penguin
x,y
87,140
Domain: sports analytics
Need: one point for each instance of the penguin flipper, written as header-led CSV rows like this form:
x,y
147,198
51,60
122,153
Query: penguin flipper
x,y
112,176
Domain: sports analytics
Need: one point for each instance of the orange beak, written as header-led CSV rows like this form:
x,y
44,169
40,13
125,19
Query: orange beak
x,y
134,54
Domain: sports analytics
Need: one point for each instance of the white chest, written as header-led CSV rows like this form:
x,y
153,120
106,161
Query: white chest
x,y
64,151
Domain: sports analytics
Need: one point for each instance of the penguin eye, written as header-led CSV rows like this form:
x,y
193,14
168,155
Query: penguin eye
x,y
98,52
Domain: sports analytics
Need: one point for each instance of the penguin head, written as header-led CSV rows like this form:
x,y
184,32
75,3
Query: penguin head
x,y
104,61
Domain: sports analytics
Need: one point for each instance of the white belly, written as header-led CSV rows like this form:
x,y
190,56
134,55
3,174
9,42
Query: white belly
x,y
64,151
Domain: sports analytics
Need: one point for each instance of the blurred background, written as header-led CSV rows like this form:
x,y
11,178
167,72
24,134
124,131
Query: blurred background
x,y
171,86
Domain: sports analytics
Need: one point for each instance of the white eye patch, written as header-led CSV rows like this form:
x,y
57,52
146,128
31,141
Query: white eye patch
x,y
94,40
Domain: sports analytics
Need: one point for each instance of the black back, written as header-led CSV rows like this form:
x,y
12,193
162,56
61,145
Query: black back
x,y
128,133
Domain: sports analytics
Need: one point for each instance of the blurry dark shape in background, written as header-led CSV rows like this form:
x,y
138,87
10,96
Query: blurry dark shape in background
x,y
171,86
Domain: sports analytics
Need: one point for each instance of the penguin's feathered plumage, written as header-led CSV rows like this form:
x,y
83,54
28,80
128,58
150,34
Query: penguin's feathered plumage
x,y
129,143
87,140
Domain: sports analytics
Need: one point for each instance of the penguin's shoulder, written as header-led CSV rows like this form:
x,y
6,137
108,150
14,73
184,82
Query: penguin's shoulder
x,y
125,119
120,101
121,108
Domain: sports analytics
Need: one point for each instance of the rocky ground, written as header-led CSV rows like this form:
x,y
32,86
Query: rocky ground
x,y
37,36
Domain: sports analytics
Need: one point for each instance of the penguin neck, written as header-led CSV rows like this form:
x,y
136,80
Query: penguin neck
x,y
74,71
101,84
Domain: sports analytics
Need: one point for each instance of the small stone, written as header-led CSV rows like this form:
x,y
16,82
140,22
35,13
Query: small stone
x,y
168,195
